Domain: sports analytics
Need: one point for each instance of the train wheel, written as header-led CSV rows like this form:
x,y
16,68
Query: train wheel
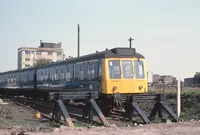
x,y
128,111
104,106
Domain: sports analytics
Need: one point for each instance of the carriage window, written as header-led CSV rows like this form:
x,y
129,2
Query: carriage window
x,y
91,71
27,78
68,74
62,71
127,68
81,72
114,69
81,68
139,69
100,69
68,69
52,74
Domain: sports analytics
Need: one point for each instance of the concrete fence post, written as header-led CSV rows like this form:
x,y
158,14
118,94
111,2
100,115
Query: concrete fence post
x,y
178,98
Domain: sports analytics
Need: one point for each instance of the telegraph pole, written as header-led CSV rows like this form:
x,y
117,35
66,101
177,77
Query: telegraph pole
x,y
130,41
78,42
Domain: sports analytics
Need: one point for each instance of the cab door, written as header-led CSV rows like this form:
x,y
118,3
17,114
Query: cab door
x,y
111,76
140,81
127,80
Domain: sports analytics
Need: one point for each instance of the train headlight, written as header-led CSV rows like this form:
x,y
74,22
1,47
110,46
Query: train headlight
x,y
114,88
140,87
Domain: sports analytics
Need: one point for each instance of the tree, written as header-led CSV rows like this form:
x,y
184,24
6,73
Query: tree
x,y
40,62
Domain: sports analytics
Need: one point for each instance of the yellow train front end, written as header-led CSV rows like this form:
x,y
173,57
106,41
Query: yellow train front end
x,y
124,76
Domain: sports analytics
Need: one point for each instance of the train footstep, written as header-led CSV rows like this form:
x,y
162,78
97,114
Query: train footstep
x,y
3,103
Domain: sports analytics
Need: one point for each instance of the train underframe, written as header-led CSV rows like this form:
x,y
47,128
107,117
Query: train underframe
x,y
128,105
28,93
124,103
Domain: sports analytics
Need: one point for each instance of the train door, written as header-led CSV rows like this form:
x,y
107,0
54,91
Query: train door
x,y
111,75
140,81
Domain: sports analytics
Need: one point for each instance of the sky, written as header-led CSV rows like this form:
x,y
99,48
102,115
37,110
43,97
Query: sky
x,y
166,32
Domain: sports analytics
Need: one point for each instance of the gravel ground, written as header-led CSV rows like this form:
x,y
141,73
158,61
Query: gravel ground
x,y
184,128
17,117
17,120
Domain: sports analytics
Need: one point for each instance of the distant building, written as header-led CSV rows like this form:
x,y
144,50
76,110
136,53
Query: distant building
x,y
164,79
197,79
168,79
150,76
189,82
156,78
193,81
28,56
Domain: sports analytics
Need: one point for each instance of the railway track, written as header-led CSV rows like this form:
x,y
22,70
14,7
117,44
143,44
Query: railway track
x,y
30,108
45,109
76,111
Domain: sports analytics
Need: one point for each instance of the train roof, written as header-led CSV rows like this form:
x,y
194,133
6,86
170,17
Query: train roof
x,y
111,53
19,70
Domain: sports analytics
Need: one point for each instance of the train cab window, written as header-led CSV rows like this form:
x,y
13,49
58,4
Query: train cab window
x,y
127,69
139,69
114,69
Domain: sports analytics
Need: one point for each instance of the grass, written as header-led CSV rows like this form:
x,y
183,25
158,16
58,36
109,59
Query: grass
x,y
190,102
80,124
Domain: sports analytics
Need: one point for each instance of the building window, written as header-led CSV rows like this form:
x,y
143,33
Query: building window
x,y
50,53
27,65
27,52
27,59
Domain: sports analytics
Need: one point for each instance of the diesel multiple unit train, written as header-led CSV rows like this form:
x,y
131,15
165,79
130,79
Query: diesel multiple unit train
x,y
113,73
